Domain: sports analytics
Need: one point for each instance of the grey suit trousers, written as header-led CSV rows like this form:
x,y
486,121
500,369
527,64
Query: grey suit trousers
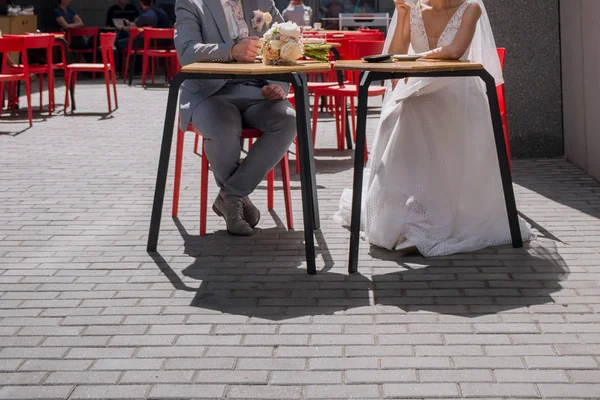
x,y
220,119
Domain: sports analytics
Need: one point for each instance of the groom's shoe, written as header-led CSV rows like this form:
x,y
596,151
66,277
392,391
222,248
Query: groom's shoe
x,y
233,213
251,213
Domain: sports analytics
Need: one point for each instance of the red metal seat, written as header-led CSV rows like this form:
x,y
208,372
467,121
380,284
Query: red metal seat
x,y
250,134
16,45
107,42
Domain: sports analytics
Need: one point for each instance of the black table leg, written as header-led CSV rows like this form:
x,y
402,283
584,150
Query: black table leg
x,y
163,163
310,207
507,185
359,163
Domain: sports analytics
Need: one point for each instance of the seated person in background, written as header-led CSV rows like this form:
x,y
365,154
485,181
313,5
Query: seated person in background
x,y
121,10
152,16
66,17
295,12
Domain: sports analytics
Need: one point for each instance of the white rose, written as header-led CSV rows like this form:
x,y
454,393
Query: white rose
x,y
291,51
275,44
290,29
268,35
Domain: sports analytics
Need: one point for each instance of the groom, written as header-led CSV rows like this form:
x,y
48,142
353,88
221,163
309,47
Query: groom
x,y
226,31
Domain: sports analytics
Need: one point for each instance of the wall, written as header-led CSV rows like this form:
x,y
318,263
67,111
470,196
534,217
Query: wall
x,y
530,32
581,83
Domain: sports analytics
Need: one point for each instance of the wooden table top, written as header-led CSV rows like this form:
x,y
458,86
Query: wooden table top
x,y
407,66
256,68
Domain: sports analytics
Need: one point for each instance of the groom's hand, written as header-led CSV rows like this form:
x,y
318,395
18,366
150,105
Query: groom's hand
x,y
246,49
273,92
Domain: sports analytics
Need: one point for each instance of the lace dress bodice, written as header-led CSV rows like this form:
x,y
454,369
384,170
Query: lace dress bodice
x,y
418,34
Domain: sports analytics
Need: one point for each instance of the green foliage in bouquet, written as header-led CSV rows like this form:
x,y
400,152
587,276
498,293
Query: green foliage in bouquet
x,y
317,52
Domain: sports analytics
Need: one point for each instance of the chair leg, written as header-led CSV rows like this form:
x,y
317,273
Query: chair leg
x,y
28,93
297,157
178,164
353,118
67,88
196,140
203,192
144,69
340,117
114,82
287,190
126,66
107,82
270,188
51,92
41,86
315,116
2,95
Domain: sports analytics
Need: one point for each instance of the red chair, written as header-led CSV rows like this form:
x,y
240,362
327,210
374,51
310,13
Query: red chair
x,y
82,33
359,48
134,34
154,36
107,42
246,134
502,103
38,41
15,44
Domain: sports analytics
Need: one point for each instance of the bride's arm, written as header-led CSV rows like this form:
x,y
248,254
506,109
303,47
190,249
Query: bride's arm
x,y
463,37
401,39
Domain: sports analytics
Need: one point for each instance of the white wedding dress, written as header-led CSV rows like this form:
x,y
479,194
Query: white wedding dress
x,y
433,179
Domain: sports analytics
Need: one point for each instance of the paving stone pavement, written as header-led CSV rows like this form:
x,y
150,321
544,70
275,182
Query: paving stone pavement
x,y
86,312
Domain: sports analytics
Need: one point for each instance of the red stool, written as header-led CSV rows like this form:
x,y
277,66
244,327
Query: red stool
x,y
250,134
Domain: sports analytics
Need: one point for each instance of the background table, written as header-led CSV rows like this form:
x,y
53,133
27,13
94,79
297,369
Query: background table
x,y
294,74
398,70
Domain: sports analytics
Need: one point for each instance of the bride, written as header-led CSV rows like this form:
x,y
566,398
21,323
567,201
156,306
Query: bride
x,y
434,182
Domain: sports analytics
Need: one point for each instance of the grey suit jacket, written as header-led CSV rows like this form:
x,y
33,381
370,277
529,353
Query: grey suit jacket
x,y
202,35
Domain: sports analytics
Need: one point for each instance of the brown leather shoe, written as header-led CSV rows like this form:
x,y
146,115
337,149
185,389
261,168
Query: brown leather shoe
x,y
251,213
233,213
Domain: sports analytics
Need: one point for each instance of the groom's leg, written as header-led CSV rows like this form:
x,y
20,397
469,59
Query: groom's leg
x,y
277,120
220,123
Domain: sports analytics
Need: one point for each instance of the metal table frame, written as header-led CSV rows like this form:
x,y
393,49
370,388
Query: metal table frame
x,y
310,208
366,77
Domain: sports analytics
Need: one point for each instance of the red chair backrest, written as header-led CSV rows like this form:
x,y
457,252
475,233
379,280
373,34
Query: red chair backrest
x,y
84,32
72,32
364,48
155,34
13,44
36,41
133,34
107,43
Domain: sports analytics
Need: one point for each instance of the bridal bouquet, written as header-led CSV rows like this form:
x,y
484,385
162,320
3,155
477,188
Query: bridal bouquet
x,y
281,45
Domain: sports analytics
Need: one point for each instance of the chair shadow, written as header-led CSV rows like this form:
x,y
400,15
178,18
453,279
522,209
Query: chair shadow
x,y
498,280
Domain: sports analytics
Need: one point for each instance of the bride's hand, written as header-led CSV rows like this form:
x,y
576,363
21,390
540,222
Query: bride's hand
x,y
401,6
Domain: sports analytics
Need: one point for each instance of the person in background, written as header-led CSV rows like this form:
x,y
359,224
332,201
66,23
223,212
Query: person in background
x,y
296,12
169,7
123,9
66,17
152,16
332,11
